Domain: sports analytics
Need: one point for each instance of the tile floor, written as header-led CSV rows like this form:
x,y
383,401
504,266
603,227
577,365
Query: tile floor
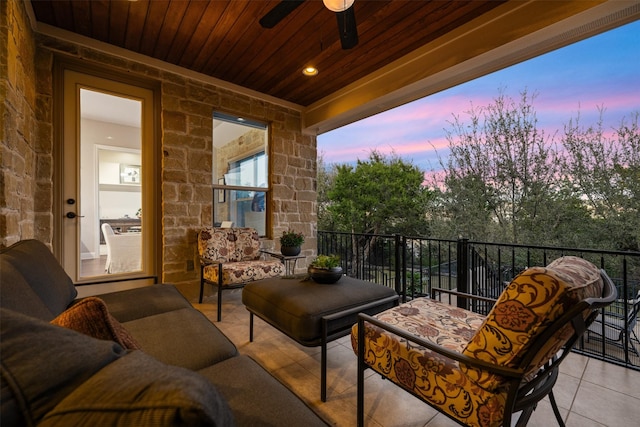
x,y
589,392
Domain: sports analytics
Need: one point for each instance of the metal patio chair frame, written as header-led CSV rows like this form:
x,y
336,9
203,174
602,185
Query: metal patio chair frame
x,y
618,330
523,392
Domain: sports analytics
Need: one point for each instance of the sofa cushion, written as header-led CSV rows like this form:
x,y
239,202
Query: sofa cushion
x,y
442,324
90,316
146,301
234,273
255,397
532,301
247,244
43,363
16,294
183,338
138,390
41,270
217,244
229,244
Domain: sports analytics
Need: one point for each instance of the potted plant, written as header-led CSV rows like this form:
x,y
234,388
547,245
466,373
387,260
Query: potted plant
x,y
290,243
325,269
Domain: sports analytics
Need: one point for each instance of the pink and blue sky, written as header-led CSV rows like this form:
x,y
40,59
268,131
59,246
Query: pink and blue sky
x,y
602,71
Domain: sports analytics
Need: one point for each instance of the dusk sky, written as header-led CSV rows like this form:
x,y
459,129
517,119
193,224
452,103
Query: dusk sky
x,y
602,71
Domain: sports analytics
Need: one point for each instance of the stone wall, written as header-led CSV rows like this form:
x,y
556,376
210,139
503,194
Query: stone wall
x,y
186,148
187,167
26,173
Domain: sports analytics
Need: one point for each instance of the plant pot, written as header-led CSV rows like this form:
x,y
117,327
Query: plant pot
x,y
290,250
325,276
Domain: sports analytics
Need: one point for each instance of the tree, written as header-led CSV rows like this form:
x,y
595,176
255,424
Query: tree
x,y
503,181
603,170
500,174
378,196
325,180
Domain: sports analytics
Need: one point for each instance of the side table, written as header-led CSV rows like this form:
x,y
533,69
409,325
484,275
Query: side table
x,y
288,261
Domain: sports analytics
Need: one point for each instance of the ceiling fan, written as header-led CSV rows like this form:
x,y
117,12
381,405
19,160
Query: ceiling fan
x,y
344,14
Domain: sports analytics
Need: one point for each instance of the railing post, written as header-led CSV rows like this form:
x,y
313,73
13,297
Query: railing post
x,y
489,266
462,270
403,270
400,285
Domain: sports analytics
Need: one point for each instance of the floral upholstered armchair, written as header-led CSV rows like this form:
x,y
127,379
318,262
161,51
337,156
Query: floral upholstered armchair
x,y
230,257
476,369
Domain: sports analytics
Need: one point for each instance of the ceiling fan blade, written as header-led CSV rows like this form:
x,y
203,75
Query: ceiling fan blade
x,y
347,28
279,12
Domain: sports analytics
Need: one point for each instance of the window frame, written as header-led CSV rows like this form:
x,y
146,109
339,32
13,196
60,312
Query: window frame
x,y
225,195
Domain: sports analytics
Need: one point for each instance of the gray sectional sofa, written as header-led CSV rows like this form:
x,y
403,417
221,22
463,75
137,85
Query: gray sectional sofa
x,y
166,363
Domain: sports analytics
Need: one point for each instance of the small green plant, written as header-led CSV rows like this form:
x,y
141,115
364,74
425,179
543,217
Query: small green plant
x,y
414,286
326,261
290,238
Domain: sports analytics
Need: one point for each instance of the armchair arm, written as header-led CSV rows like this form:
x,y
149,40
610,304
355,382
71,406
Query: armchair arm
x,y
434,291
206,261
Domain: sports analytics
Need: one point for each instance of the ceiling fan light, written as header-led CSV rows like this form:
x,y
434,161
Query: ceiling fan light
x,y
338,5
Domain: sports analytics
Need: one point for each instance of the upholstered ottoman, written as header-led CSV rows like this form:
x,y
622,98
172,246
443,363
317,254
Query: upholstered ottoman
x,y
314,314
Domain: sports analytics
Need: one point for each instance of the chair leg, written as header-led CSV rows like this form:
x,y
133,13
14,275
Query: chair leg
x,y
360,381
522,420
632,345
219,301
201,286
556,411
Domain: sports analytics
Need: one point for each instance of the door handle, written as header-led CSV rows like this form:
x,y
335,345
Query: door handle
x,y
72,215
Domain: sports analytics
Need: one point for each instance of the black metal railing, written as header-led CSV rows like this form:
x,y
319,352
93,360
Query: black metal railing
x,y
416,265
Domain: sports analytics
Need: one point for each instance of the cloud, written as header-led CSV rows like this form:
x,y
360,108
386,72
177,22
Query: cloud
x,y
576,80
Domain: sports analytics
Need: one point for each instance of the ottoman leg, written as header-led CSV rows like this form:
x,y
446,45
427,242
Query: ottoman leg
x,y
323,362
250,326
323,372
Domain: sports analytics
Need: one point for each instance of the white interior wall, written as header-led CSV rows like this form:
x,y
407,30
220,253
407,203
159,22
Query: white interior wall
x,y
117,144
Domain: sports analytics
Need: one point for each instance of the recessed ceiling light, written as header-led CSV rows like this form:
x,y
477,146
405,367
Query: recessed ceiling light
x,y
310,71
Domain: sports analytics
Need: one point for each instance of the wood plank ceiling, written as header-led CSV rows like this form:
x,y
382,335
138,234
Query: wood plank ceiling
x,y
223,39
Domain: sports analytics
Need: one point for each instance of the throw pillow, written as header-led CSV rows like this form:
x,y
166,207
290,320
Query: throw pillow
x,y
90,316
582,277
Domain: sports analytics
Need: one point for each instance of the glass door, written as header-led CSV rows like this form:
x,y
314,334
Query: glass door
x,y
106,180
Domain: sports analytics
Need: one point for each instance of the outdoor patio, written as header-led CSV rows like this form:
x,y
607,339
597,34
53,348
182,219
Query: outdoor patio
x,y
589,392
